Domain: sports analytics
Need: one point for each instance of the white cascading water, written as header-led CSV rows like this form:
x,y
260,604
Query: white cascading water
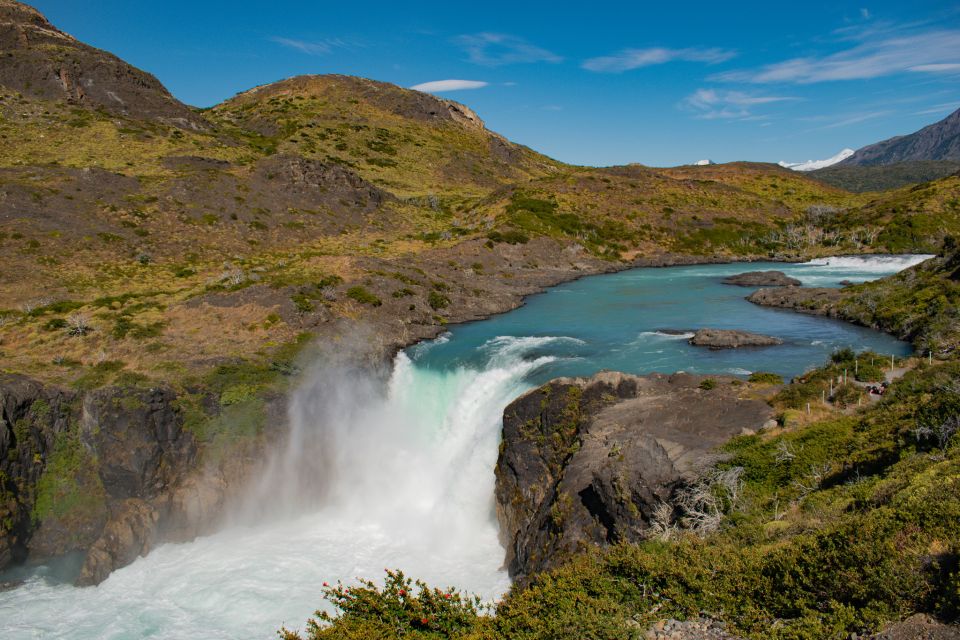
x,y
377,475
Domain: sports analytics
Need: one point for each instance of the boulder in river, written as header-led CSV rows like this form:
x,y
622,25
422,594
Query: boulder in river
x,y
731,339
762,279
588,461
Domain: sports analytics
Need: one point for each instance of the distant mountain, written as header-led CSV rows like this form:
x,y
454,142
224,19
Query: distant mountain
x,y
812,165
883,177
704,163
43,62
939,141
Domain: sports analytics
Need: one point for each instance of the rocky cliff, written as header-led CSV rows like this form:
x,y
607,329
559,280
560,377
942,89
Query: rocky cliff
x,y
110,472
587,462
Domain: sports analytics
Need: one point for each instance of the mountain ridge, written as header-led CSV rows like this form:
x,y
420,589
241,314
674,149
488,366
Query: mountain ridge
x,y
937,141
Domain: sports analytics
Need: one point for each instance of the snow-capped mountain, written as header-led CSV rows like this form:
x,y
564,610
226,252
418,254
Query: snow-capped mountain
x,y
703,163
810,165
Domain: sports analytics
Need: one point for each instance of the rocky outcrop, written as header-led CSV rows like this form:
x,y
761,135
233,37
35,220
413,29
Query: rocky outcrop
x,y
109,472
585,462
813,300
762,279
31,418
731,339
44,62
919,627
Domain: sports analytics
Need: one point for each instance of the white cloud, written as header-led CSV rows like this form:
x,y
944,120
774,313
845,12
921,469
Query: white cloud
x,y
495,49
313,48
628,59
865,13
880,52
937,68
438,86
712,104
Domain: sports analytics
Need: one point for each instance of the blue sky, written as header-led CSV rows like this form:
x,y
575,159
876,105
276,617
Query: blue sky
x,y
590,83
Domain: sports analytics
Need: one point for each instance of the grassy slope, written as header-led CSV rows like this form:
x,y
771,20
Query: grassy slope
x,y
99,206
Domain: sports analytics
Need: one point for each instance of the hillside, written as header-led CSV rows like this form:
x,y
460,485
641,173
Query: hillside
x,y
859,179
938,141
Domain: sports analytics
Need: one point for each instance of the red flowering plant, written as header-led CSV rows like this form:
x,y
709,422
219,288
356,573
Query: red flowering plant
x,y
402,607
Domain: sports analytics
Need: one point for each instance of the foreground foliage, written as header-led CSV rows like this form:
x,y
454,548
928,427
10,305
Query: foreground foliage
x,y
845,524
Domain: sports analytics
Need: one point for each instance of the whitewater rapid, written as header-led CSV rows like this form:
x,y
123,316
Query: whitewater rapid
x,y
395,469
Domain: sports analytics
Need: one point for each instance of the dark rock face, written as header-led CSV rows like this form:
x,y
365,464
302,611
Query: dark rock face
x,y
98,473
731,339
42,61
939,141
31,417
762,279
139,440
320,182
585,461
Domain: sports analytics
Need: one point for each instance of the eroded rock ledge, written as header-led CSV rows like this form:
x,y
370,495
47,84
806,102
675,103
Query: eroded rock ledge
x,y
731,339
762,279
585,461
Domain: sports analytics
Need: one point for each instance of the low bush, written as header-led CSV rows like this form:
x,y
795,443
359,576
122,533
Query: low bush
x,y
363,296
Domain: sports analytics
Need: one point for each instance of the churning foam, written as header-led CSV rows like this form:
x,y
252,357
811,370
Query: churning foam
x,y
377,474
881,264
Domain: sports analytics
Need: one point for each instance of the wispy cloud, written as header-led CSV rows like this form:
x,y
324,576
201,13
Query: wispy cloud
x,y
496,49
711,104
940,108
880,52
311,47
847,119
629,59
438,86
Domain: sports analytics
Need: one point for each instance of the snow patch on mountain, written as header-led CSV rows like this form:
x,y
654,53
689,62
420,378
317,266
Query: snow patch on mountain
x,y
810,165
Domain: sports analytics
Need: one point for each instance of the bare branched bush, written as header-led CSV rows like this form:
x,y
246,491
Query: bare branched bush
x,y
328,293
78,324
701,505
814,479
821,213
785,452
940,433
662,526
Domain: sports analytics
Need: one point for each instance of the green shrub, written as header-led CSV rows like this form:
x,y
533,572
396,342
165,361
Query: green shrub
x,y
402,608
54,324
847,395
764,377
866,372
363,296
510,236
708,384
437,300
